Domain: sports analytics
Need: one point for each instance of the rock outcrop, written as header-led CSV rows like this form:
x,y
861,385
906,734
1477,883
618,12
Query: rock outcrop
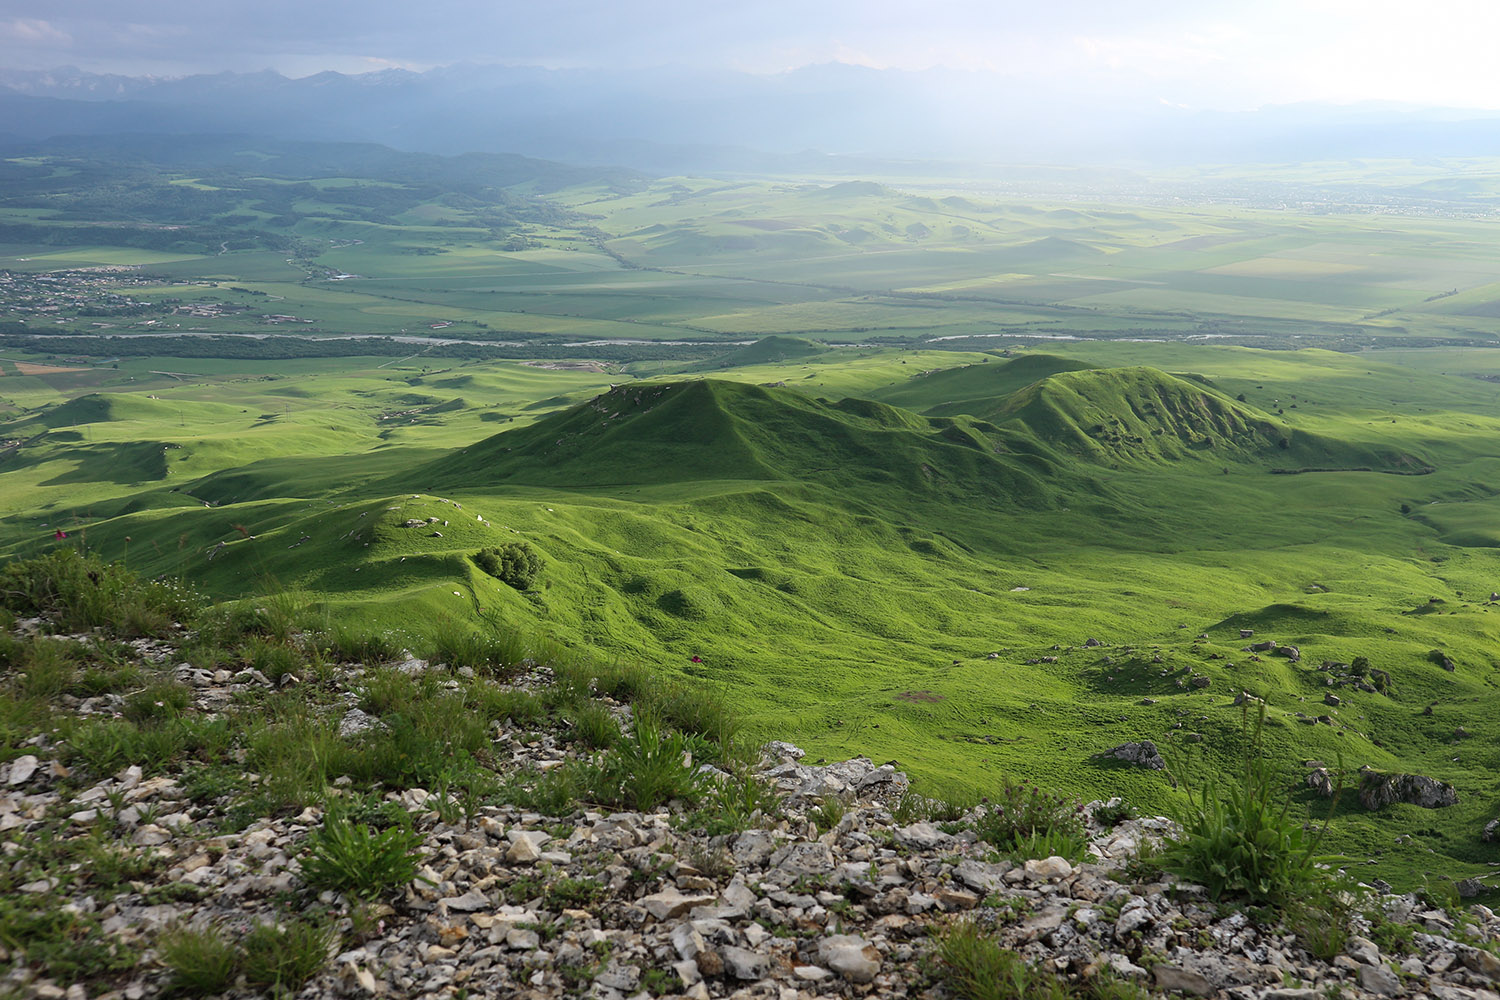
x,y
1378,790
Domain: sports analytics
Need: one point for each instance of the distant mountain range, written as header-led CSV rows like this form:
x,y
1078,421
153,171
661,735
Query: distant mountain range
x,y
828,117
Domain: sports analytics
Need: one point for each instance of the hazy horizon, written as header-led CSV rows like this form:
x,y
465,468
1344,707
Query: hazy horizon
x,y
1234,56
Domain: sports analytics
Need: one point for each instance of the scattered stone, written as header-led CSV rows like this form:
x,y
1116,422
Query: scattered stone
x,y
355,722
1042,869
670,903
1379,980
1321,781
742,963
1142,754
1175,979
21,770
850,956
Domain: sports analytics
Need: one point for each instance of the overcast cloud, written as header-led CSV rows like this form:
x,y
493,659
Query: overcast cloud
x,y
1227,54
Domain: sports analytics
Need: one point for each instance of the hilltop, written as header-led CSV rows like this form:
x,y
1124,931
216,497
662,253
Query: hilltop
x,y
710,429
974,389
1142,414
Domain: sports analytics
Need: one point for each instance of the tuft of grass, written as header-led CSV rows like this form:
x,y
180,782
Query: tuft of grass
x,y
734,803
79,592
644,771
157,703
828,813
351,858
594,726
203,961
345,643
500,652
574,894
282,958
973,967
555,793
914,807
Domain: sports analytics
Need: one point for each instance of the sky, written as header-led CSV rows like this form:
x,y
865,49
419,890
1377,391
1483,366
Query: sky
x,y
1213,54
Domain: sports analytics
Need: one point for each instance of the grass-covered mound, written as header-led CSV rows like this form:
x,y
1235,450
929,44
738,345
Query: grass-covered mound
x,y
718,430
1141,414
766,351
974,388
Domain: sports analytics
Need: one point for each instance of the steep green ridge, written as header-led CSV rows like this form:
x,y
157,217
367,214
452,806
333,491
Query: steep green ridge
x,y
1141,414
973,388
711,429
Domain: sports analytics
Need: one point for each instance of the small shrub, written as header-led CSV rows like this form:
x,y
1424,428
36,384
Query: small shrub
x,y
513,563
351,858
203,962
1024,820
1244,842
282,958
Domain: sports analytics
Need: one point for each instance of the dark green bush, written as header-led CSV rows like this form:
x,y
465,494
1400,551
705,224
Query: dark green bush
x,y
514,563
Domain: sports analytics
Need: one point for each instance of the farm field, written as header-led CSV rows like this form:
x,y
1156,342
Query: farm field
x,y
505,258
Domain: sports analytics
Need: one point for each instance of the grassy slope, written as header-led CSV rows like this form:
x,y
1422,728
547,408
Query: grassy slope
x,y
849,599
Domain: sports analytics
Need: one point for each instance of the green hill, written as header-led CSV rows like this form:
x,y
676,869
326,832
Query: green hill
x,y
1141,414
766,351
718,430
974,388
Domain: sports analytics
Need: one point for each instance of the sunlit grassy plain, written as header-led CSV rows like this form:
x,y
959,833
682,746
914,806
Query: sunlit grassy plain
x,y
887,575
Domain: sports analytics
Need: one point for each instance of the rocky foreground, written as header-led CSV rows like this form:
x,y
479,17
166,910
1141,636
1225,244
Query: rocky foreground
x,y
510,903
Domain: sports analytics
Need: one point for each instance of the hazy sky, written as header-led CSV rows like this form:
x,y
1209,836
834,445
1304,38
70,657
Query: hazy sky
x,y
1197,53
